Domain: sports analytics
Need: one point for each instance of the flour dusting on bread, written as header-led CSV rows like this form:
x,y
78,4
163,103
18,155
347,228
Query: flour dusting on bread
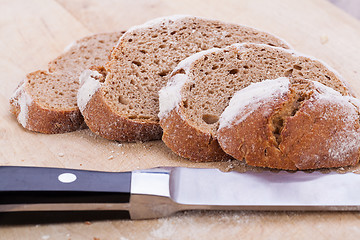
x,y
186,63
213,80
158,21
251,97
23,100
53,91
345,140
237,93
143,62
343,144
154,23
70,46
169,96
308,126
89,85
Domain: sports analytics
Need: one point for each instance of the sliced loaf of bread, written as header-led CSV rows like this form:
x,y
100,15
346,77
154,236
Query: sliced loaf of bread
x,y
202,85
45,101
291,124
125,106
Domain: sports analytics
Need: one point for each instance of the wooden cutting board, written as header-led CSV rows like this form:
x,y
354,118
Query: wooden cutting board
x,y
34,32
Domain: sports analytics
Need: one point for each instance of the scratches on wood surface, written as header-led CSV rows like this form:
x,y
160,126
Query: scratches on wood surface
x,y
47,27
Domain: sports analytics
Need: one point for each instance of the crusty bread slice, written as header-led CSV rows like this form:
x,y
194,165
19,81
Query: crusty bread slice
x,y
202,86
126,105
45,101
291,125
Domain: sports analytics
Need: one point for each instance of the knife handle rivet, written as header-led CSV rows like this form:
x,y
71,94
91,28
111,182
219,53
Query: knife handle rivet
x,y
67,177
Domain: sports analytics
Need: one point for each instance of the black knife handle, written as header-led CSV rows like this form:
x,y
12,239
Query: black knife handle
x,y
32,185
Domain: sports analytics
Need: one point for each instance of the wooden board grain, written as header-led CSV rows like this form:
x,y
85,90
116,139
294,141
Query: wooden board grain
x,y
34,32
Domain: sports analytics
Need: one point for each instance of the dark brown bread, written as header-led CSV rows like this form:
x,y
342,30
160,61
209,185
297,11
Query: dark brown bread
x,y
45,101
202,86
141,64
293,125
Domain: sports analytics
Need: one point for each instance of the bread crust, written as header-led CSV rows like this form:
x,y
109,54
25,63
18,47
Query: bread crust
x,y
113,127
193,129
180,137
50,119
44,120
329,144
253,139
122,65
320,134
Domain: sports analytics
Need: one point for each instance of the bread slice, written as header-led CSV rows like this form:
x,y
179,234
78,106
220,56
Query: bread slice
x,y
127,105
202,86
45,101
291,124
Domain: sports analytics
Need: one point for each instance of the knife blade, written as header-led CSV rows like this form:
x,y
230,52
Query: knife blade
x,y
160,192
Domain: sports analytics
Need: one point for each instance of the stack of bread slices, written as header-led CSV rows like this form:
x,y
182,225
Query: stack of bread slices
x,y
210,90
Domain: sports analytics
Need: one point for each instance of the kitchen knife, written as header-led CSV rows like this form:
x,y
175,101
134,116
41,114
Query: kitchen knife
x,y
159,192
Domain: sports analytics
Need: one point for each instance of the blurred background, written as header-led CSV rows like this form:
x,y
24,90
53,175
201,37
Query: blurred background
x,y
350,6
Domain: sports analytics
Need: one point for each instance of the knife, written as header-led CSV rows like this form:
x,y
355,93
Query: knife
x,y
160,192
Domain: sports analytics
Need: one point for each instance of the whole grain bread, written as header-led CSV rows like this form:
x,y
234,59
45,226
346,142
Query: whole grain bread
x,y
126,106
202,85
291,124
45,101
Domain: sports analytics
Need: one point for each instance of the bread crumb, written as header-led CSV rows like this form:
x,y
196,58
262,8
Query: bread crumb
x,y
229,167
61,154
111,157
324,39
87,223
